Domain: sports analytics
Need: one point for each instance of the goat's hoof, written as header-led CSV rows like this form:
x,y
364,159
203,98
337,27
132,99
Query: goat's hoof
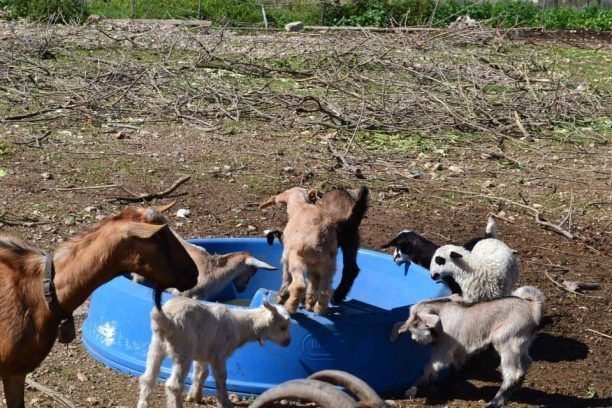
x,y
194,397
320,309
411,392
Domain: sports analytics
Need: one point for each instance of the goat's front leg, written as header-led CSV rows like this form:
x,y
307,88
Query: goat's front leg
x,y
220,373
176,382
200,372
430,374
14,387
350,270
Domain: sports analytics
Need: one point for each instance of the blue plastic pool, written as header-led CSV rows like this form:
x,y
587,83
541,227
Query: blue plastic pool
x,y
353,337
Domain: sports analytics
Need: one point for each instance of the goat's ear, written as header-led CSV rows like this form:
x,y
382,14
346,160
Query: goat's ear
x,y
141,229
268,203
455,255
314,195
431,321
164,208
400,328
268,306
391,243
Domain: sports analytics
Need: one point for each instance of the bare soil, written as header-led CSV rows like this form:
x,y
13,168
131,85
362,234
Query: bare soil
x,y
573,366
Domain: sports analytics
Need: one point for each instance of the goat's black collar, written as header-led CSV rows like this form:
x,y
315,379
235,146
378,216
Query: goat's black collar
x,y
49,290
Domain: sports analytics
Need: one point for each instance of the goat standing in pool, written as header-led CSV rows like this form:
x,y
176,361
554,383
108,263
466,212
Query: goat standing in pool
x,y
347,212
30,315
188,330
310,248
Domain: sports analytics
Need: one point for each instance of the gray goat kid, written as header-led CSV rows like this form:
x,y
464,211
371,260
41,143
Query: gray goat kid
x,y
456,329
188,330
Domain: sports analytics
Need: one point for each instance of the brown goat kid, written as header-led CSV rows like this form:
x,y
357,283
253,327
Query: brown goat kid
x,y
28,325
310,247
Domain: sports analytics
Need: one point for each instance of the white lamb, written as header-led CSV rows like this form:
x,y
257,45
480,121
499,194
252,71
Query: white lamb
x,y
188,330
488,271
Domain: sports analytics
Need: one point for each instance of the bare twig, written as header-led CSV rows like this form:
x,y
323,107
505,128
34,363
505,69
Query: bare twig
x,y
100,187
51,393
341,159
150,196
607,336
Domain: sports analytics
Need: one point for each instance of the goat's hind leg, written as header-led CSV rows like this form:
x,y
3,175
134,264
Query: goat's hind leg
x,y
176,382
220,373
350,270
155,356
283,292
296,289
14,388
515,362
312,291
200,372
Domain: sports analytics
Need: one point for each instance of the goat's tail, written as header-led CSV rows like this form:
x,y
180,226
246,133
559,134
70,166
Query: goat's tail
x,y
160,322
359,208
535,296
491,228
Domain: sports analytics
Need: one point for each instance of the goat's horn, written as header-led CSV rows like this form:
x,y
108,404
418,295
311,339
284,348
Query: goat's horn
x,y
322,394
252,261
162,208
365,394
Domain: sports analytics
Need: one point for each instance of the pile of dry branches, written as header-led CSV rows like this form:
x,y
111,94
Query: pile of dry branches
x,y
465,81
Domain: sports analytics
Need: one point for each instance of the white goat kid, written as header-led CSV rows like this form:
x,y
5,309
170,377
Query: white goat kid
x,y
488,271
187,330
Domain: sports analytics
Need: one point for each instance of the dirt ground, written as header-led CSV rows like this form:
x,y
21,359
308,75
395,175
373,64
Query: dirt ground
x,y
233,168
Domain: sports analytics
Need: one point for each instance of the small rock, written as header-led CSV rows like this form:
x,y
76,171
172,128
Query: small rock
x,y
294,26
232,180
120,135
416,174
437,167
89,209
47,176
69,221
234,398
252,228
100,217
489,183
288,169
227,168
81,376
215,169
183,213
537,205
150,171
92,400
455,169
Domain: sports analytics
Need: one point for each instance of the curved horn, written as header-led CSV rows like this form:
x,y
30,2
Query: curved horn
x,y
322,394
252,261
365,394
269,306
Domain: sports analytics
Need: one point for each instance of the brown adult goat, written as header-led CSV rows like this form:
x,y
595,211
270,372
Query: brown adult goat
x,y
29,323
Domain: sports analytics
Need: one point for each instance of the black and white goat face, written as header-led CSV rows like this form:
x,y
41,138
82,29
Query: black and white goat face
x,y
402,247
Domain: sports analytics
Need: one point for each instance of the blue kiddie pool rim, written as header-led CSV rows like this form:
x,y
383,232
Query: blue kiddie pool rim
x,y
121,306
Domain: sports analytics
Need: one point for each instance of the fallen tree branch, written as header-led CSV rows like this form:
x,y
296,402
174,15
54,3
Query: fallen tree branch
x,y
578,286
560,286
341,159
86,187
51,393
600,333
151,196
